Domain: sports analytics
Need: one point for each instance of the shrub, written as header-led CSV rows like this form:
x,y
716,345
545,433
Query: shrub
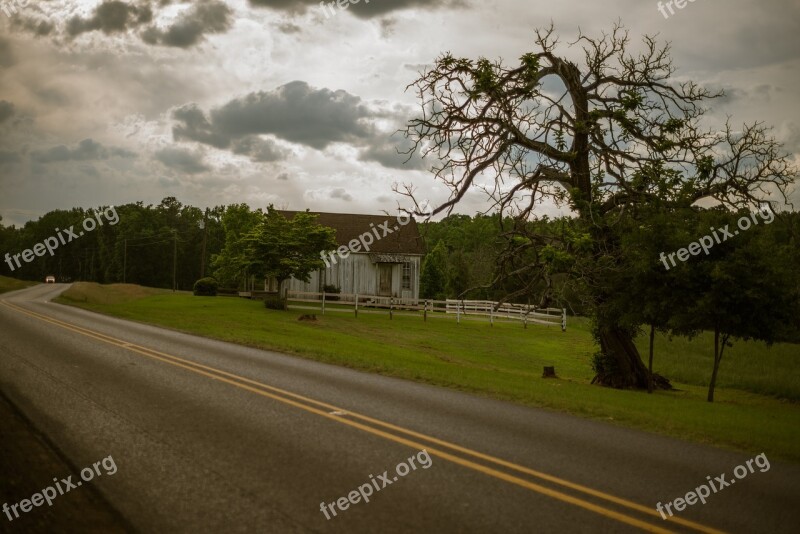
x,y
205,287
273,301
331,291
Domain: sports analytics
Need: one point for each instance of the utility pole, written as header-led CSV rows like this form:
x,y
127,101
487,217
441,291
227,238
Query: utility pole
x,y
174,260
205,238
125,261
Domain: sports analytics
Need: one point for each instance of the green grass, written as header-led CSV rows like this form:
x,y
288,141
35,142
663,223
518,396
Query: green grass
x,y
505,362
12,284
748,365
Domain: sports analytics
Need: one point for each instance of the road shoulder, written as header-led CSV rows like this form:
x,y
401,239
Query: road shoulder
x,y
28,463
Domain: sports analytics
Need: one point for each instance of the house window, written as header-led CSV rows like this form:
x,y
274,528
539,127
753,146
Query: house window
x,y
407,266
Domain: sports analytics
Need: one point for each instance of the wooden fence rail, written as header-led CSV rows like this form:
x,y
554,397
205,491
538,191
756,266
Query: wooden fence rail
x,y
450,308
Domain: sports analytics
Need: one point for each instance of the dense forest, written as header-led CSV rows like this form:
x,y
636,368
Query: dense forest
x,y
464,260
746,286
464,253
143,247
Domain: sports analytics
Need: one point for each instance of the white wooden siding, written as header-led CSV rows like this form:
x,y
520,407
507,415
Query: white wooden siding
x,y
357,274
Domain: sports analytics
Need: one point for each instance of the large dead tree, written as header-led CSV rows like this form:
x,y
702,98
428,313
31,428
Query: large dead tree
x,y
602,135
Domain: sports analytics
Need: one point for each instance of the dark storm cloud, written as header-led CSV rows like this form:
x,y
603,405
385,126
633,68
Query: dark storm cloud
x,y
392,153
112,16
341,193
259,149
288,28
7,156
115,16
6,55
6,110
294,112
363,8
208,16
300,114
37,27
196,127
86,150
52,96
182,160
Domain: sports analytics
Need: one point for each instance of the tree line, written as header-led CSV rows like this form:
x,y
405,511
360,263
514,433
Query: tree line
x,y
158,246
171,245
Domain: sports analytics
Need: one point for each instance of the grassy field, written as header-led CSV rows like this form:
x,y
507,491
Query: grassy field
x,y
105,295
756,408
12,284
749,366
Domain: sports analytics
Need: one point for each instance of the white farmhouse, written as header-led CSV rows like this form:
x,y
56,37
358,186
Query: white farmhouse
x,y
389,266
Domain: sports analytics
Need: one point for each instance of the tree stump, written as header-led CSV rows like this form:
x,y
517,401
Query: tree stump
x,y
549,372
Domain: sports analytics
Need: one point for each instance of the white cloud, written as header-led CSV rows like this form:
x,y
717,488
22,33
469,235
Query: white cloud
x,y
121,93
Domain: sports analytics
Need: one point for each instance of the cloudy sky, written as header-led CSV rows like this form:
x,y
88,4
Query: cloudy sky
x,y
279,101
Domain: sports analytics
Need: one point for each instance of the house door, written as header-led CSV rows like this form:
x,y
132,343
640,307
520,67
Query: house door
x,y
385,279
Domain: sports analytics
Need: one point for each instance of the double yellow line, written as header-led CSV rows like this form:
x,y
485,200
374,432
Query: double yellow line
x,y
396,434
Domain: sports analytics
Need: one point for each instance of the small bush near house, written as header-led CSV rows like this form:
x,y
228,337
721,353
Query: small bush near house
x,y
205,287
331,292
273,301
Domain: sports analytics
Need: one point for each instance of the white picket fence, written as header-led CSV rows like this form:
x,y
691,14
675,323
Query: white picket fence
x,y
451,308
507,310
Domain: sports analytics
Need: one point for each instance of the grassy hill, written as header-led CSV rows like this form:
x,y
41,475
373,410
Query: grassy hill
x,y
12,284
756,408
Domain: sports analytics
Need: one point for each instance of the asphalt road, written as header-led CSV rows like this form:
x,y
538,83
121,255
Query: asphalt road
x,y
212,437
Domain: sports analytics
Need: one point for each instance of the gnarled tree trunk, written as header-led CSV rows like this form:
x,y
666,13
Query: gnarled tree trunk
x,y
624,367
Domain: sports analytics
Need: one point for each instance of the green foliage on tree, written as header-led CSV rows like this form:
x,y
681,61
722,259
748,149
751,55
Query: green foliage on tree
x,y
282,248
744,288
469,249
432,277
741,290
232,262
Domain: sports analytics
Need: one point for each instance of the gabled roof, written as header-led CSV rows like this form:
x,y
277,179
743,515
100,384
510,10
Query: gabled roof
x,y
403,239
